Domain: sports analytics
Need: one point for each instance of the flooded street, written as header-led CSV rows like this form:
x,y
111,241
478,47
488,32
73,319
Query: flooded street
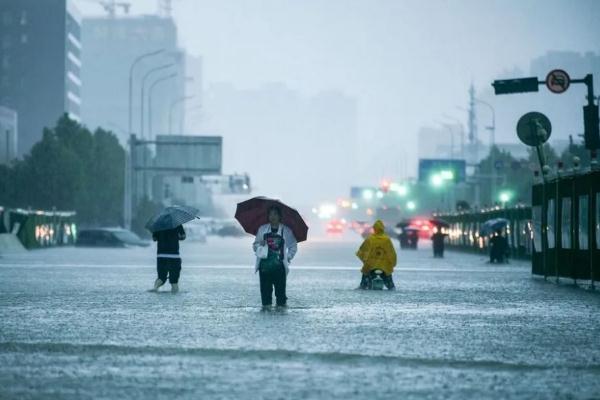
x,y
79,323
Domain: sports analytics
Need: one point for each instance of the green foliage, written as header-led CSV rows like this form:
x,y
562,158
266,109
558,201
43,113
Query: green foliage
x,y
70,169
511,174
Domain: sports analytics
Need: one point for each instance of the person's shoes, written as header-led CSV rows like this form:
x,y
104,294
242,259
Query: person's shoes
x,y
266,308
174,288
157,283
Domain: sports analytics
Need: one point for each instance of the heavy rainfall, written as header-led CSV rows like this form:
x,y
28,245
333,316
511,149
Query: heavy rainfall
x,y
277,199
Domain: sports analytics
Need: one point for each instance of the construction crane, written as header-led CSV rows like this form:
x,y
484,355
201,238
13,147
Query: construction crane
x,y
165,8
110,6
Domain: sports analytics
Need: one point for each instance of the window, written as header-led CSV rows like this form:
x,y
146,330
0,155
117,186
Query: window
x,y
550,229
187,179
23,20
565,223
583,224
536,212
24,39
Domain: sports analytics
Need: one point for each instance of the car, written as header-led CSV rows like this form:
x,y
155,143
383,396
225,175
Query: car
x,y
335,227
109,237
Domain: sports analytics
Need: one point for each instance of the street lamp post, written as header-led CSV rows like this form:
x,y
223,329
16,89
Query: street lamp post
x,y
462,134
150,93
147,75
172,107
145,78
492,129
127,202
449,127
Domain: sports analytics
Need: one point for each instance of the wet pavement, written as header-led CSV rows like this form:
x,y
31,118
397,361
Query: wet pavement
x,y
79,323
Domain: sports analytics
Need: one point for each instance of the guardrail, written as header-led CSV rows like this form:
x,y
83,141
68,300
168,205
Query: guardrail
x,y
566,220
464,230
37,228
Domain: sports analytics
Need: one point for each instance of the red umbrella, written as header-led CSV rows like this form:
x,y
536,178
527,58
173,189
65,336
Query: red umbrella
x,y
251,214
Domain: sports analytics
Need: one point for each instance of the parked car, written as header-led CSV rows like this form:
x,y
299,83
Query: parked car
x,y
109,237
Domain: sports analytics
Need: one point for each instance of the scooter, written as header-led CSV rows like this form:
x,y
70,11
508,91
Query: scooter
x,y
376,280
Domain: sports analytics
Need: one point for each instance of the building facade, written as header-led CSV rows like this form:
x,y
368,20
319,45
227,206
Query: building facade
x,y
112,44
40,64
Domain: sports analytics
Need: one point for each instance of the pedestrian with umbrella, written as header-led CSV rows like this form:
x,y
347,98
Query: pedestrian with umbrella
x,y
278,228
167,230
438,237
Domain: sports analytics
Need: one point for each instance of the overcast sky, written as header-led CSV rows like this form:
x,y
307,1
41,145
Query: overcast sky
x,y
406,62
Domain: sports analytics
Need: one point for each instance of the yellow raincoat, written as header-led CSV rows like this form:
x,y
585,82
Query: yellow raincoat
x,y
377,251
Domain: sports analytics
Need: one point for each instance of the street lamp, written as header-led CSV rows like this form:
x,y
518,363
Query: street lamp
x,y
492,129
449,127
150,92
131,71
128,203
173,104
143,90
462,134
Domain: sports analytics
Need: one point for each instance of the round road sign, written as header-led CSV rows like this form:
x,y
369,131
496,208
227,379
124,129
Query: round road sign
x,y
558,81
534,128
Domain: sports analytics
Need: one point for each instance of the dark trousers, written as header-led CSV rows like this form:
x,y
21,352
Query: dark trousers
x,y
273,279
170,267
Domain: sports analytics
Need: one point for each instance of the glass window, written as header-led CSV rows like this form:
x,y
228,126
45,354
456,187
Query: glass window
x,y
536,212
550,230
583,224
565,223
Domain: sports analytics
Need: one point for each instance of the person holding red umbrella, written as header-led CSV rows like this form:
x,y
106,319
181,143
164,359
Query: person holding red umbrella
x,y
278,229
275,246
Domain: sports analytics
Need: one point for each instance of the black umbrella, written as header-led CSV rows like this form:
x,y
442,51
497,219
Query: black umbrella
x,y
171,217
439,222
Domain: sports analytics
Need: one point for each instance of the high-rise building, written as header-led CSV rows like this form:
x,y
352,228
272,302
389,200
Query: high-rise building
x,y
40,63
112,44
8,135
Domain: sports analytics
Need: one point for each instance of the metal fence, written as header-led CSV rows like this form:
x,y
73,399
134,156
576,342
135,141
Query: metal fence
x,y
560,232
36,228
566,220
464,231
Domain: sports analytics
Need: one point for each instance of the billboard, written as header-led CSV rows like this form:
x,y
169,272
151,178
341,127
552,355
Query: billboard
x,y
192,155
446,169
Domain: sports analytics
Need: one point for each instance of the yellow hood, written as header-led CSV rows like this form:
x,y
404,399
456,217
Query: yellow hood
x,y
377,251
378,227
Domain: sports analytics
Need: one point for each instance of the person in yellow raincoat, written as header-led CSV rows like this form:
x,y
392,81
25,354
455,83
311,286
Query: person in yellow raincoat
x,y
377,252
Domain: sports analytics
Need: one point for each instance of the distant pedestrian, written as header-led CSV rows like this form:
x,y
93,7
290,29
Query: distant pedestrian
x,y
168,260
275,246
438,244
498,248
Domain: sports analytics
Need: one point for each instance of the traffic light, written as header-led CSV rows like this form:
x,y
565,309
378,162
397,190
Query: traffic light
x,y
591,126
522,85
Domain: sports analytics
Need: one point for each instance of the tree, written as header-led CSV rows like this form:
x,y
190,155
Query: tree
x,y
70,169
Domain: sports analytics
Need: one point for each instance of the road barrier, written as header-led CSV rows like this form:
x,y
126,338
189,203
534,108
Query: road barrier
x,y
560,232
464,231
566,220
36,228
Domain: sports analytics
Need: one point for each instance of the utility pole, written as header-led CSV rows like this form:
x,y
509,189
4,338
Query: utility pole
x,y
473,140
492,129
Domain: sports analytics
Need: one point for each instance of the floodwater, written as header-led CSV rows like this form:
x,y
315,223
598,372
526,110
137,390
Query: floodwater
x,y
80,324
